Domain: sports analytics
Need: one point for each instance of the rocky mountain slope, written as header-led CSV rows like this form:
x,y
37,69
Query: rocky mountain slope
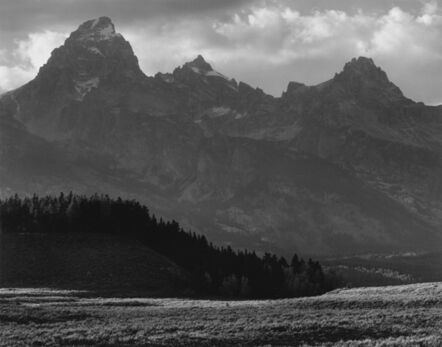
x,y
350,165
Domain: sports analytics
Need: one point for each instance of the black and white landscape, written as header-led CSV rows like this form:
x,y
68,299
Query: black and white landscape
x,y
120,191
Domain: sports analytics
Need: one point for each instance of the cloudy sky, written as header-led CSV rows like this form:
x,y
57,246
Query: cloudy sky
x,y
266,43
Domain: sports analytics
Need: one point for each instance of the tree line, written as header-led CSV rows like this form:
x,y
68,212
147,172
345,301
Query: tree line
x,y
212,270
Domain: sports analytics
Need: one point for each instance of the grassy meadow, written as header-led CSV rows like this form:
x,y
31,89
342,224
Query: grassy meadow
x,y
407,315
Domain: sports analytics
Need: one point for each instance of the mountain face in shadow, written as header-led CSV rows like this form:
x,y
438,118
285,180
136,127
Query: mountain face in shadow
x,y
350,165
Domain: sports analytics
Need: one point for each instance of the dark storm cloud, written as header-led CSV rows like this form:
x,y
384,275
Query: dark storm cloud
x,y
24,15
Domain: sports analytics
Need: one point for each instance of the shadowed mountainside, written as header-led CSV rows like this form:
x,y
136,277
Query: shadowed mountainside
x,y
350,165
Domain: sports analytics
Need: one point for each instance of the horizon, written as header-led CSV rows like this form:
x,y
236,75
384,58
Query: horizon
x,y
308,59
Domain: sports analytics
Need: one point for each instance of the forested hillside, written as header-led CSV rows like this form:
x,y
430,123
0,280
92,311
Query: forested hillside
x,y
211,270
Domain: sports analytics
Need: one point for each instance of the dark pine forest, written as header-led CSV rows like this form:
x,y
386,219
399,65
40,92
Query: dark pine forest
x,y
212,270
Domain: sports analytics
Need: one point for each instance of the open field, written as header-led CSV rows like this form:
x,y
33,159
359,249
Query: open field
x,y
384,316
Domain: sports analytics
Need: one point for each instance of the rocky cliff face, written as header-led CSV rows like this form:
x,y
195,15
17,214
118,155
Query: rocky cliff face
x,y
350,165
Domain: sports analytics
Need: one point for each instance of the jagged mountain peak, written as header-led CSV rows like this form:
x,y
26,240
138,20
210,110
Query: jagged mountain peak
x,y
294,88
94,55
358,75
200,69
98,29
199,64
362,75
365,69
95,39
361,62
99,22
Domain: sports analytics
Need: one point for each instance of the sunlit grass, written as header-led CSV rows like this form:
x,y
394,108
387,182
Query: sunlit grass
x,y
386,316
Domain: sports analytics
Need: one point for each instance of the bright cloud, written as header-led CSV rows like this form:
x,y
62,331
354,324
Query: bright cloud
x,y
27,57
265,45
11,77
293,36
36,49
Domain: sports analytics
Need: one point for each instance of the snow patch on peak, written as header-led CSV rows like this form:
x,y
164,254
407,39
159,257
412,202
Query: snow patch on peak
x,y
168,78
107,32
95,50
240,115
94,23
84,87
219,111
214,73
96,30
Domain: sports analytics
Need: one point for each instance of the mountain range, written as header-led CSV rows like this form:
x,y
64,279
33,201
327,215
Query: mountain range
x,y
347,166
